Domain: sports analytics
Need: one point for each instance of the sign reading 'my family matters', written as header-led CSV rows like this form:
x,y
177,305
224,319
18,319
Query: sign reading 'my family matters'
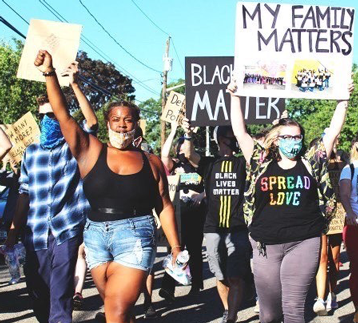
x,y
293,51
208,102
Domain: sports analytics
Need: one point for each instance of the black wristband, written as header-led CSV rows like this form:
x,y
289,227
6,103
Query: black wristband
x,y
51,73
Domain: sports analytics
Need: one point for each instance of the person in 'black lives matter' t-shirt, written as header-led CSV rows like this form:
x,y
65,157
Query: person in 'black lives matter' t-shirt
x,y
225,230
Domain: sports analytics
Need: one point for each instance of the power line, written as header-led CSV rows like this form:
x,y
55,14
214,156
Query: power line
x,y
163,31
91,45
6,23
176,53
95,86
21,17
109,34
150,19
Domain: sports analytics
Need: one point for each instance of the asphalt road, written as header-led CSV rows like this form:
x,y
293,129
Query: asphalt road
x,y
206,307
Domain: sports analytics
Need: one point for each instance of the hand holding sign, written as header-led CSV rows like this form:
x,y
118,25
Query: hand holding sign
x,y
71,72
43,61
186,127
232,87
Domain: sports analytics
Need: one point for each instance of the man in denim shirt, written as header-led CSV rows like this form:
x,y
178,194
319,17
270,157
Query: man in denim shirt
x,y
52,200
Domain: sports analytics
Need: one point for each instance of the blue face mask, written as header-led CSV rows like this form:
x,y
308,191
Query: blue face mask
x,y
51,135
290,148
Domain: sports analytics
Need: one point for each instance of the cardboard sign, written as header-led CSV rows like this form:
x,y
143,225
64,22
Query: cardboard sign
x,y
22,134
293,51
336,224
208,102
173,181
174,108
60,39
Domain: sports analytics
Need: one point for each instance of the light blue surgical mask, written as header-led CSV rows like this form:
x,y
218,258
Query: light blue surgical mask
x,y
51,135
290,148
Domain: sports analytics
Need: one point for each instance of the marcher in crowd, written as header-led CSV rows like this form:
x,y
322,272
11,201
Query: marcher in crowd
x,y
10,180
225,230
80,277
349,196
327,275
53,207
123,185
286,201
192,211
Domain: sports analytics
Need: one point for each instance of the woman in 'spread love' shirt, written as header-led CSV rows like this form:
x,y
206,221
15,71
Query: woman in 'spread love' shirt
x,y
288,196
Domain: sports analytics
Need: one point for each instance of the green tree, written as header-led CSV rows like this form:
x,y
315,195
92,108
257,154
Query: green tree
x,y
17,96
104,76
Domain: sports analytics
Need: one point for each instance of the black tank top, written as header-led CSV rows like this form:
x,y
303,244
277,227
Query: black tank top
x,y
114,197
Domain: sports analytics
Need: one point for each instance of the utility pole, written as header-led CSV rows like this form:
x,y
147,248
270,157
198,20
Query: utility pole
x,y
164,90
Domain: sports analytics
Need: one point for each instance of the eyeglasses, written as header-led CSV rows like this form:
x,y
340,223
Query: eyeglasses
x,y
49,114
289,137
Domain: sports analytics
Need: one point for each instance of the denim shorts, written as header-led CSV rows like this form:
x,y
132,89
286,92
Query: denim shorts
x,y
228,254
129,242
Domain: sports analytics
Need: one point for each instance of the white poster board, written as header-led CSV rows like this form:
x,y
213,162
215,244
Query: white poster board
x,y
60,39
293,51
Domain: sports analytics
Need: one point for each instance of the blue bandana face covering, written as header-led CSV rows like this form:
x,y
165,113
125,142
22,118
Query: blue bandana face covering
x,y
51,135
290,148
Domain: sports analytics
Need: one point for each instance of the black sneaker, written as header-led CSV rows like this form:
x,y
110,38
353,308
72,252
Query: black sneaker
x,y
169,297
78,301
149,312
100,317
224,318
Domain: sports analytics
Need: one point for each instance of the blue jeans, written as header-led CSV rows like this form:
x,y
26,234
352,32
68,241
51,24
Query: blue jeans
x,y
129,242
50,279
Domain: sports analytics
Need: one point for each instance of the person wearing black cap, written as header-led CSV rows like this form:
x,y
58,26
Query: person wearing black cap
x,y
225,230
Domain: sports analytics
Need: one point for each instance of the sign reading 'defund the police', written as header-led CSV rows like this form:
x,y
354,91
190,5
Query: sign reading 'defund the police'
x,y
293,51
208,102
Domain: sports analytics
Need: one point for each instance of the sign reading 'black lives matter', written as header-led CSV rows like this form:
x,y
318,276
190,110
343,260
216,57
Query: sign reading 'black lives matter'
x,y
208,103
293,51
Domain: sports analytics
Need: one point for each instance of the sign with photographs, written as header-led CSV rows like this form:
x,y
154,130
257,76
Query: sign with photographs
x,y
293,51
208,102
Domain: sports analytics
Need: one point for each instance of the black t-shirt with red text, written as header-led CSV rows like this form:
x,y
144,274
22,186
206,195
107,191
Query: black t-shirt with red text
x,y
287,206
224,181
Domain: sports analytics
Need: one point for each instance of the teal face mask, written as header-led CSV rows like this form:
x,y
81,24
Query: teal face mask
x,y
290,148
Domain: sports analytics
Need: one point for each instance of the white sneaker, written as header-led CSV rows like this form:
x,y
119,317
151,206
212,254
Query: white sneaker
x,y
319,307
257,307
331,303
